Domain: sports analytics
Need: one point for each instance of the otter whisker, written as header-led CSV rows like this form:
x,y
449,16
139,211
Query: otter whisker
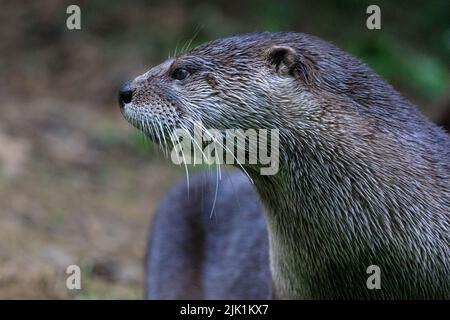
x,y
218,171
145,130
165,149
185,165
171,134
234,189
232,153
150,130
145,126
176,50
199,147
215,194
204,157
188,44
158,137
152,126
196,144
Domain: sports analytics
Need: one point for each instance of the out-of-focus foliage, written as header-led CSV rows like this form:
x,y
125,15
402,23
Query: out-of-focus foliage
x,y
412,49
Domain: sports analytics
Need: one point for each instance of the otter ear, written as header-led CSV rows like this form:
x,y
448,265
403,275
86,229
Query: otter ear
x,y
286,61
282,59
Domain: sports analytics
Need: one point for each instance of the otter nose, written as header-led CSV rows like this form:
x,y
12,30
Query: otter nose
x,y
125,93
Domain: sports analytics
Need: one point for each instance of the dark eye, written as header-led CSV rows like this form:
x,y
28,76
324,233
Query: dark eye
x,y
180,73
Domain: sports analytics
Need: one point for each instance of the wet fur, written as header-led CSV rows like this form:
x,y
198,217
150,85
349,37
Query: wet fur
x,y
364,177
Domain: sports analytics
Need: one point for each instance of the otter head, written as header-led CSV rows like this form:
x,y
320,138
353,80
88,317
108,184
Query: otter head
x,y
314,94
243,82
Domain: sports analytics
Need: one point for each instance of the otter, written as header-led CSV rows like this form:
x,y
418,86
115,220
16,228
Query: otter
x,y
191,255
364,177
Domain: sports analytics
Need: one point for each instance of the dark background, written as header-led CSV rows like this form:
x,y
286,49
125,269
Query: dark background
x,y
78,184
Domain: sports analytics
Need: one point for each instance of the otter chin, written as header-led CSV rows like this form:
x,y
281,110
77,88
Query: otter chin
x,y
364,177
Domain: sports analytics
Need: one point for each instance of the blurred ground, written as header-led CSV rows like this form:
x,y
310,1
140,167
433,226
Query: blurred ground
x,y
75,190
78,184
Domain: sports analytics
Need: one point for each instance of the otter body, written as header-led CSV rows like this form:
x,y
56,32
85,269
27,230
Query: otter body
x,y
364,178
193,254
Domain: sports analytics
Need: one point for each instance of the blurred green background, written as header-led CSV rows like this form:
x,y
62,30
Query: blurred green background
x,y
78,184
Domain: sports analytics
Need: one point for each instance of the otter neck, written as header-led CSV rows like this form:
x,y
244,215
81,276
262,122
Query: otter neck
x,y
326,218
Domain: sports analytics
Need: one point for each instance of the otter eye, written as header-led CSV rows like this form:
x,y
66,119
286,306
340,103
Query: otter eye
x,y
180,73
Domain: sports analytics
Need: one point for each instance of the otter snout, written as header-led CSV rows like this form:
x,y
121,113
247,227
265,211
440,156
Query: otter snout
x,y
125,94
